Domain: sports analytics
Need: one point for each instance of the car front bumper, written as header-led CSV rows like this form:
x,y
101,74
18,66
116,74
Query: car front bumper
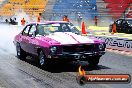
x,y
76,56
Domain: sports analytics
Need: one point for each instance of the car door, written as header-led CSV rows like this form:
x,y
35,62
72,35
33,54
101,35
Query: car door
x,y
24,38
124,26
119,25
32,40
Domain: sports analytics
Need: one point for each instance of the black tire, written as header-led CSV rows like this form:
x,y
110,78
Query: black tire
x,y
93,61
20,53
42,60
110,30
129,31
81,80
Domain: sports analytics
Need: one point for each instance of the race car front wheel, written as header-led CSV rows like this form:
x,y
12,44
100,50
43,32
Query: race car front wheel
x,y
93,61
20,53
42,60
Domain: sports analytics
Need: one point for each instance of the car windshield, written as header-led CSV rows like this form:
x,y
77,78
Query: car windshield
x,y
46,29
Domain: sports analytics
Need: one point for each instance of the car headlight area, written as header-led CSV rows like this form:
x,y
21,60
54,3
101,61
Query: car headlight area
x,y
101,46
53,49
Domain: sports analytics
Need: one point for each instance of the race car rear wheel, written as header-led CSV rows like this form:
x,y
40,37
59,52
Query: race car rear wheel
x,y
20,53
93,61
42,60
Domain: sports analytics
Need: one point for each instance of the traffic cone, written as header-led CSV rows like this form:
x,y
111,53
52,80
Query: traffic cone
x,y
83,29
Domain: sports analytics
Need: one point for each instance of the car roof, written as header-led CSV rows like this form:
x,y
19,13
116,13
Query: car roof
x,y
48,22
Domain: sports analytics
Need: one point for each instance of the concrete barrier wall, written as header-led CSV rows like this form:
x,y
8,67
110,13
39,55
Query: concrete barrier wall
x,y
117,43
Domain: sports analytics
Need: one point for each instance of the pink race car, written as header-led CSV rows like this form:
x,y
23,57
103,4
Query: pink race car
x,y
59,41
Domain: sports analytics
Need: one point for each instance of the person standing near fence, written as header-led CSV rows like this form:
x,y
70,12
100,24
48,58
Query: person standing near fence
x,y
65,18
23,21
96,20
39,17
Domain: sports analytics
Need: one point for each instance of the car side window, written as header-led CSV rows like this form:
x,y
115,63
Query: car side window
x,y
124,22
119,21
32,30
26,30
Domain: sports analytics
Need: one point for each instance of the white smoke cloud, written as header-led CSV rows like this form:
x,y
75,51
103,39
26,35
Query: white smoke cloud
x,y
7,34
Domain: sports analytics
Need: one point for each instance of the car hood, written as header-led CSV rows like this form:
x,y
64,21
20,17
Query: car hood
x,y
67,38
